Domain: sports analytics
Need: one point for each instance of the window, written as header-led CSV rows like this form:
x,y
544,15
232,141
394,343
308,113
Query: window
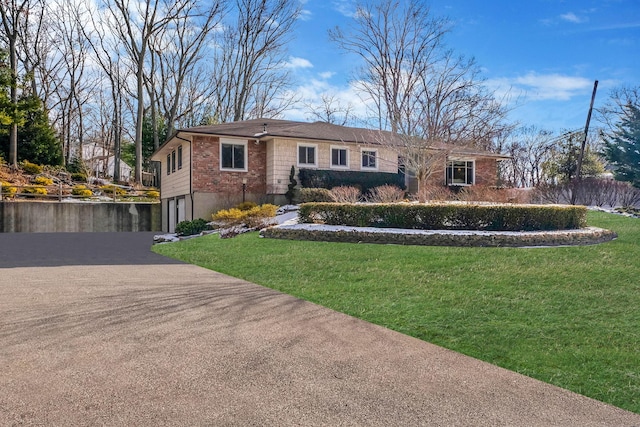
x,y
369,159
460,172
233,156
173,161
168,164
307,155
180,157
339,157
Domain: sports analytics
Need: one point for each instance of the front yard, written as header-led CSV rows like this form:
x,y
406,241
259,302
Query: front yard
x,y
569,316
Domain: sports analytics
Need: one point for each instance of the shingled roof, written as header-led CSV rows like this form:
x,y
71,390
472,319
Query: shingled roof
x,y
269,128
264,129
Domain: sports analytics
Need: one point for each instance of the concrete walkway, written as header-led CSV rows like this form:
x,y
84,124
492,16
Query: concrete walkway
x,y
150,342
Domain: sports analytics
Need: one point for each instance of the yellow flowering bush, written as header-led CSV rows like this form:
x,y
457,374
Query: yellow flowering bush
x,y
81,190
42,180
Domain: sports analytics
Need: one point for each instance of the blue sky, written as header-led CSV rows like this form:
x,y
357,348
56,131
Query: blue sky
x,y
547,52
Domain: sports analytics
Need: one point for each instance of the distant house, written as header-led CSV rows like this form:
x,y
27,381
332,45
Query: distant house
x,y
207,168
101,162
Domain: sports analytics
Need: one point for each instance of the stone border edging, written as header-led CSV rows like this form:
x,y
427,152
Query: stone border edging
x,y
464,238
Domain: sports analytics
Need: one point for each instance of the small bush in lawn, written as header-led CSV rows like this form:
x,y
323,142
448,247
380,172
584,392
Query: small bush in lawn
x,y
42,180
35,190
190,228
385,194
81,190
481,193
8,190
31,168
435,192
345,194
318,195
245,206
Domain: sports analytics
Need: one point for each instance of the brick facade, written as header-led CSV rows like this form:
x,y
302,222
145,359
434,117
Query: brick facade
x,y
208,178
486,172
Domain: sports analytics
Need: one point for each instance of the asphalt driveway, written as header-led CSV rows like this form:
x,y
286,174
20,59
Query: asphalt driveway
x,y
116,335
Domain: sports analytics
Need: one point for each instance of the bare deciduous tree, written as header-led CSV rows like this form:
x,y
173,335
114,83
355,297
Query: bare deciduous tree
x,y
135,24
330,110
619,98
425,93
528,148
250,76
179,53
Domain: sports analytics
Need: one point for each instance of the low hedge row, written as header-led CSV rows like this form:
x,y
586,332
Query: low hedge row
x,y
449,216
584,236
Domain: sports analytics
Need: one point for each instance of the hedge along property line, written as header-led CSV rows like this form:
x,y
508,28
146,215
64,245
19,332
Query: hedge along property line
x,y
449,216
343,234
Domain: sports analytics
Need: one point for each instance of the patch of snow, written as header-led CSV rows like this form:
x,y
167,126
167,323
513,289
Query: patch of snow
x,y
165,238
336,228
287,208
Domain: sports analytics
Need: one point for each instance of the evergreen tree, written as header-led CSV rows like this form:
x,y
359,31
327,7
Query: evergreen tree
x,y
291,192
563,163
128,151
622,147
37,140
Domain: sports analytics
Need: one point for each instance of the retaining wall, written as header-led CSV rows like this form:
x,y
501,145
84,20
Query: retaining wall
x,y
51,217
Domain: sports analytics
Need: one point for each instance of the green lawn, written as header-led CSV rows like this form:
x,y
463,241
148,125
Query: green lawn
x,y
568,316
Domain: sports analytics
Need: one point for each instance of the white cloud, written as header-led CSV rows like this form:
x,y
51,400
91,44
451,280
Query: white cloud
x,y
327,75
345,7
572,17
295,62
305,15
538,87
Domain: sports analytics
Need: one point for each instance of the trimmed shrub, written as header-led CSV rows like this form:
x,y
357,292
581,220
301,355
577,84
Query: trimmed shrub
x,y
450,216
385,194
245,206
254,217
42,180
435,192
109,189
8,190
153,194
320,178
291,188
344,194
315,195
34,190
30,168
190,228
481,193
81,190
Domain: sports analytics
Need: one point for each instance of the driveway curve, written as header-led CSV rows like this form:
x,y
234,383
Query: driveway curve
x,y
146,341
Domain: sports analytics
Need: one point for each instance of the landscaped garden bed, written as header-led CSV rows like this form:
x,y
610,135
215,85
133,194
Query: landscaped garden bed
x,y
443,224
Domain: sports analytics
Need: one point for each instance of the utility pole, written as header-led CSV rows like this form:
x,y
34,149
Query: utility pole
x,y
576,187
586,129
